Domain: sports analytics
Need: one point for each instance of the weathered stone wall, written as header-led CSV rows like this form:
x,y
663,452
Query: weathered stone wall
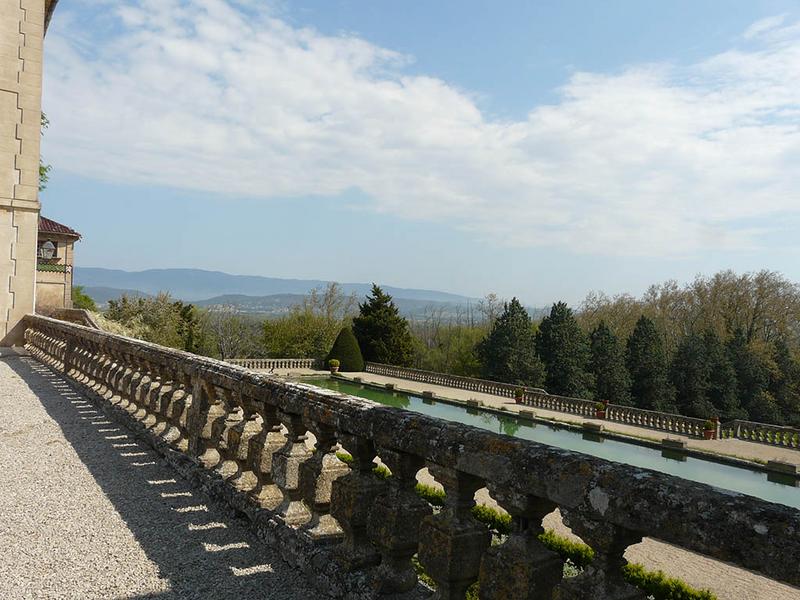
x,y
22,24
243,435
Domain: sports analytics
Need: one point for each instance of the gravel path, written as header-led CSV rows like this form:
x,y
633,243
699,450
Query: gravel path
x,y
87,512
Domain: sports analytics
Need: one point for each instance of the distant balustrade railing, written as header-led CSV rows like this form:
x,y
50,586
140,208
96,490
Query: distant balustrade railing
x,y
267,364
538,398
471,384
775,435
651,419
358,533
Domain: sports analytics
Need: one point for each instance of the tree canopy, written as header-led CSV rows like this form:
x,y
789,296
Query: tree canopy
x,y
508,352
612,382
647,365
382,334
564,349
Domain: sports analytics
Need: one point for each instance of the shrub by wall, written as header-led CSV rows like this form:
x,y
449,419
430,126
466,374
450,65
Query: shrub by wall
x,y
347,352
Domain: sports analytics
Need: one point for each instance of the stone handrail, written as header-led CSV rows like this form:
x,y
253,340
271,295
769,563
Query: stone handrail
x,y
243,436
775,435
80,316
639,417
538,398
268,364
471,384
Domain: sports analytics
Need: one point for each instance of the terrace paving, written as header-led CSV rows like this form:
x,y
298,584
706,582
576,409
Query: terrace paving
x,y
87,512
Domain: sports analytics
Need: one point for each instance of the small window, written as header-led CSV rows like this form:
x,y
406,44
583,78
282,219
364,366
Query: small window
x,y
47,250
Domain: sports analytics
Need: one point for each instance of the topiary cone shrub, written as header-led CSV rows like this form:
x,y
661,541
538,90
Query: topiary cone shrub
x,y
346,351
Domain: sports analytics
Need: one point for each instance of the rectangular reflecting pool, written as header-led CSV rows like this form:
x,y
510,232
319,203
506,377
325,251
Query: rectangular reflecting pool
x,y
737,479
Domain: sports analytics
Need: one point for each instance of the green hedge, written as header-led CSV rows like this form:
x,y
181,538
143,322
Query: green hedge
x,y
347,352
577,552
661,586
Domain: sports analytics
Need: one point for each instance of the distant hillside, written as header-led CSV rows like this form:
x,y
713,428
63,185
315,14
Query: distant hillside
x,y
196,284
101,295
279,304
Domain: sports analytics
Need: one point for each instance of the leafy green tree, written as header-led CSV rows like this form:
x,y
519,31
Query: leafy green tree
x,y
382,333
346,351
564,350
752,377
311,327
607,364
44,169
704,378
81,299
723,391
647,365
160,320
784,383
508,352
690,375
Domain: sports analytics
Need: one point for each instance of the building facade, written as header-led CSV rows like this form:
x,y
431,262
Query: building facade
x,y
22,28
54,261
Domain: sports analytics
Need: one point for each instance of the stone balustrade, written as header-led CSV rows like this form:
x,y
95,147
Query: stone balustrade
x,y
244,437
775,435
639,417
269,364
538,398
471,384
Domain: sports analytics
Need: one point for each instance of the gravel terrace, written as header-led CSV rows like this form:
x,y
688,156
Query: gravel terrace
x,y
87,512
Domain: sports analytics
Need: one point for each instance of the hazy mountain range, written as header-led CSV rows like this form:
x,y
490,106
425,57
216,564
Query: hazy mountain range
x,y
269,296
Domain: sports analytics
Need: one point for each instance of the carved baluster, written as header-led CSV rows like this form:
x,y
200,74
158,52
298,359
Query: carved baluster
x,y
180,403
239,438
603,577
521,567
140,393
351,499
221,436
262,449
393,522
204,418
316,479
286,470
160,396
452,543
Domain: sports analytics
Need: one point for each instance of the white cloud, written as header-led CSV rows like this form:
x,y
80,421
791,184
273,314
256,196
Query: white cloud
x,y
656,159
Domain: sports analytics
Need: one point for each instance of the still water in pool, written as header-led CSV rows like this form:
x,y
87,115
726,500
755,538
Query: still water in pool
x,y
754,483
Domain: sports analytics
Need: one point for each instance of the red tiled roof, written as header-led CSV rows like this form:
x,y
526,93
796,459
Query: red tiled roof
x,y
49,226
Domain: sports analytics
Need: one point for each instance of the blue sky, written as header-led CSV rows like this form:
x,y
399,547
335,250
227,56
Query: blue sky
x,y
542,150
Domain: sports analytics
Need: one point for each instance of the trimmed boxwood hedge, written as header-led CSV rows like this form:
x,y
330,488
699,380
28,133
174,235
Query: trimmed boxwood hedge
x,y
347,351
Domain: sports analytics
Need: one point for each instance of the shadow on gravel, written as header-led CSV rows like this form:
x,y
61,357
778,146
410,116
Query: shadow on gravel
x,y
202,551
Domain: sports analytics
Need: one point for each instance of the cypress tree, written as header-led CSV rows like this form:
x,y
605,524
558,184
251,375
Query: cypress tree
x,y
752,377
784,383
508,352
382,333
607,364
690,376
723,390
564,350
345,349
647,365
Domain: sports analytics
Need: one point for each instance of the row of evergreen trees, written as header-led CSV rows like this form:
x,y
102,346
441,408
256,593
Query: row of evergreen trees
x,y
707,376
